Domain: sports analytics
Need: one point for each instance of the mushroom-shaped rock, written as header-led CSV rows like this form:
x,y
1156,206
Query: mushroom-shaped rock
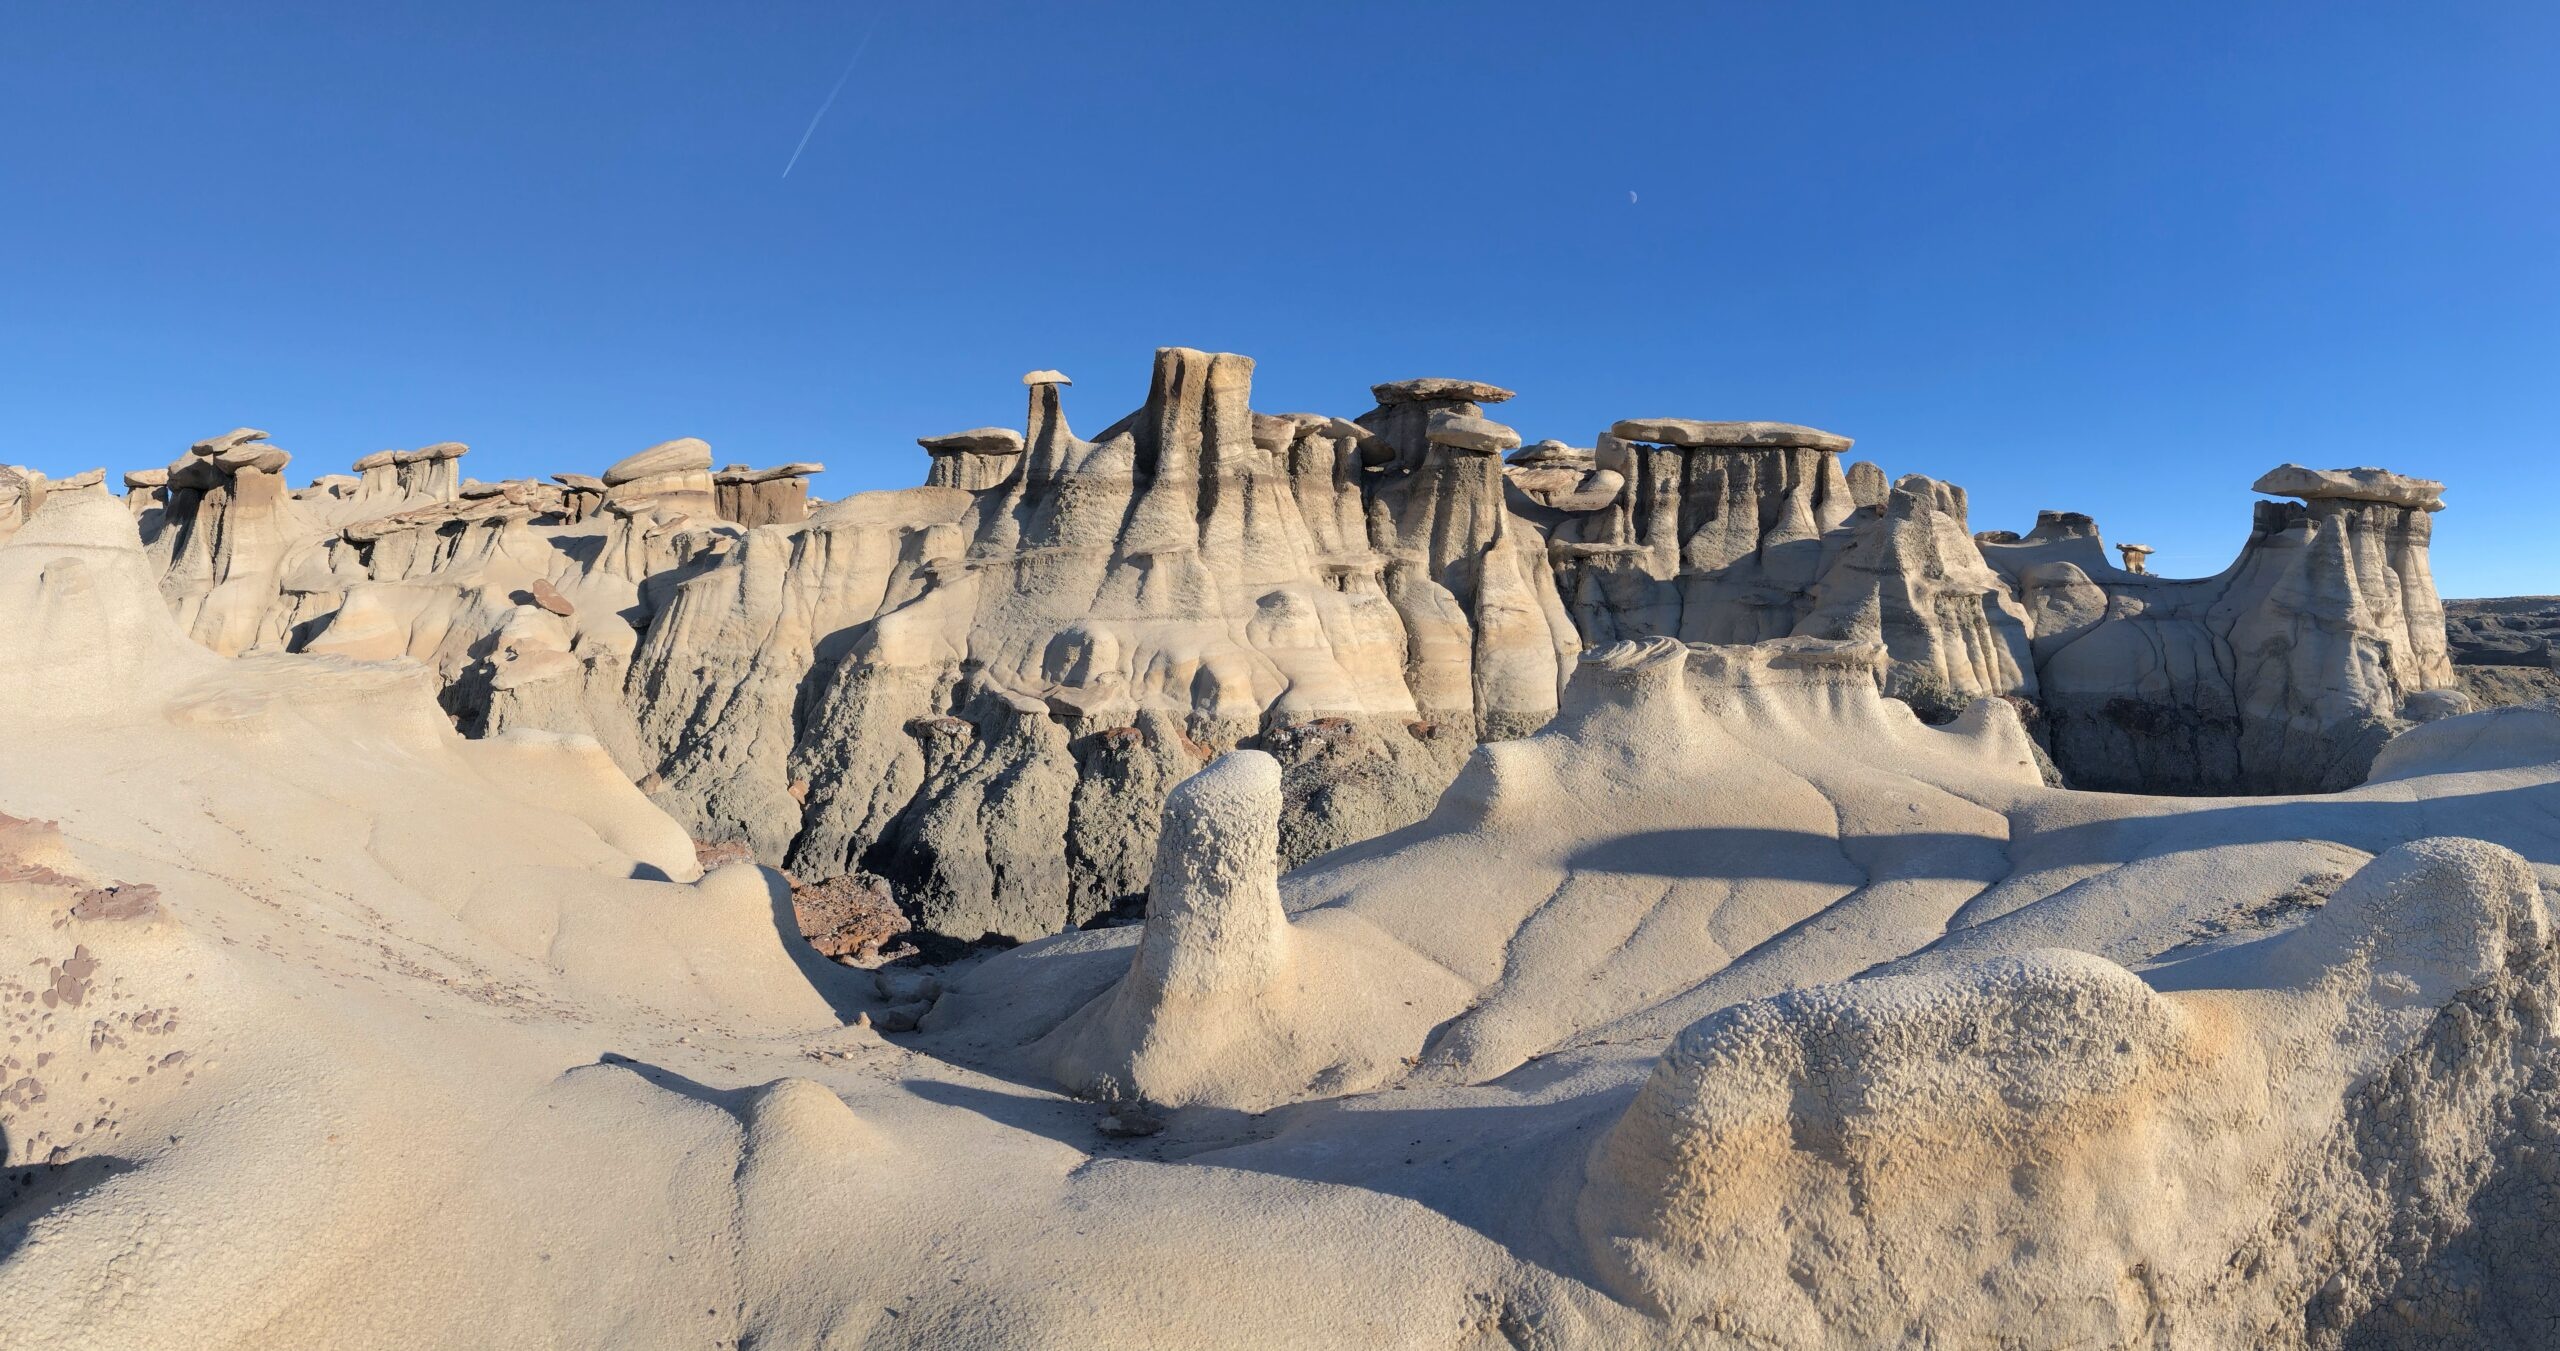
x,y
2136,557
380,459
238,449
1689,432
684,455
143,480
1461,432
754,497
263,458
1435,389
975,441
580,494
194,472
1046,378
441,450
2354,485
215,445
1551,454
739,473
1563,478
977,459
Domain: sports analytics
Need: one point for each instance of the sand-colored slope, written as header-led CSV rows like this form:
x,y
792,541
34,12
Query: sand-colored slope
x,y
400,1039
330,1028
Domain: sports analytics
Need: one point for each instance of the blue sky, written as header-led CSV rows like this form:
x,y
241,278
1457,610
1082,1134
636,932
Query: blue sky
x,y
2112,258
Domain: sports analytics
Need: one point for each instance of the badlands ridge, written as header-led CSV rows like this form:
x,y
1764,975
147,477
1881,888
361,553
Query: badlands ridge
x,y
1384,885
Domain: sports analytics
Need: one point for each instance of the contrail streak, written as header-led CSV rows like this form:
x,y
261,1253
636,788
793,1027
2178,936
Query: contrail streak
x,y
821,114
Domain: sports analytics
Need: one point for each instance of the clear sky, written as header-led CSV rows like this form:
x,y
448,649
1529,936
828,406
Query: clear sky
x,y
2111,257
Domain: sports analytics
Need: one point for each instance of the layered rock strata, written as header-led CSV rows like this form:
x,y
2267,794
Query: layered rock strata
x,y
1737,1005
2286,672
754,497
1744,531
983,688
2502,648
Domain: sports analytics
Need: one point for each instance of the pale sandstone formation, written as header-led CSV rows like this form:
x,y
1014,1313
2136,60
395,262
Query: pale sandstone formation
x,y
1744,531
21,492
2223,1128
2303,1121
227,526
143,491
1226,1001
989,684
984,687
754,497
2285,672
581,495
1689,432
2351,485
667,478
977,459
1736,1005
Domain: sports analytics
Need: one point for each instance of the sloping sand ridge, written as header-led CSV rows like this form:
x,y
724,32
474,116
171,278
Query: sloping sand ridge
x,y
1734,1006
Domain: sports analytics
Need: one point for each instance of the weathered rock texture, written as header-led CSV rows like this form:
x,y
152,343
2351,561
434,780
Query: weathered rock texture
x,y
1735,532
1228,1002
2286,672
1944,1054
981,689
2258,1167
1738,1005
987,685
753,497
2502,648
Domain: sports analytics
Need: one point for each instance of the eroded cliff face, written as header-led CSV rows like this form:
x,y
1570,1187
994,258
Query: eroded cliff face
x,y
983,688
2286,672
1736,1004
1736,532
1921,1048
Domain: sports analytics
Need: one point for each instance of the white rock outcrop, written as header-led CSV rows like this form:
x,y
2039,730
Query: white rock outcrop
x,y
1229,1003
1736,1003
983,688
2285,672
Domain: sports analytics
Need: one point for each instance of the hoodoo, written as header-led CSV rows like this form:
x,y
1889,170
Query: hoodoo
x,y
982,689
1572,896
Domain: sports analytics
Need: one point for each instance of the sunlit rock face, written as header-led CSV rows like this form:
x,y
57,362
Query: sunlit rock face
x,y
982,688
1737,1005
2285,672
1736,532
986,685
753,497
